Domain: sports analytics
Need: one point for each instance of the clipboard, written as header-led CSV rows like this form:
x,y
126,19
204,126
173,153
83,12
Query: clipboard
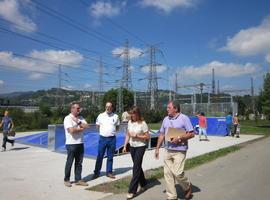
x,y
174,132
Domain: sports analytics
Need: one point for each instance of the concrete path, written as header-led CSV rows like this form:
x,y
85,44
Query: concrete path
x,y
28,172
242,175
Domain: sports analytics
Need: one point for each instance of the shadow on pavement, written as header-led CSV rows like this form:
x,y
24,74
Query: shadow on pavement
x,y
19,148
115,172
180,192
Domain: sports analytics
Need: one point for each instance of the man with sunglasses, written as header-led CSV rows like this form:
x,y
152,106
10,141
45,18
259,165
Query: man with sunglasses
x,y
74,125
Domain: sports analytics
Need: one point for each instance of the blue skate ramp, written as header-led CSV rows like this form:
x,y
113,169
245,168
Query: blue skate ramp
x,y
39,139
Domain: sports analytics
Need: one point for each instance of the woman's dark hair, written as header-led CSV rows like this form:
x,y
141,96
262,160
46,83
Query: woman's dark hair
x,y
135,110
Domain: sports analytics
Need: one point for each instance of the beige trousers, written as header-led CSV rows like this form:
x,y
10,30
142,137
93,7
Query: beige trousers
x,y
174,162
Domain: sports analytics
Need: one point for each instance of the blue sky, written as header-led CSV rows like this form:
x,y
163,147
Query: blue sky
x,y
192,37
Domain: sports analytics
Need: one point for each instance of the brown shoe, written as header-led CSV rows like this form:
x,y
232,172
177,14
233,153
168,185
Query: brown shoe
x,y
81,183
110,175
67,183
188,192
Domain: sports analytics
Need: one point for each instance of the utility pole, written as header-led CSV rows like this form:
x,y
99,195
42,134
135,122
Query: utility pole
x,y
213,82
218,90
152,77
176,86
120,97
201,89
135,98
58,95
252,96
100,82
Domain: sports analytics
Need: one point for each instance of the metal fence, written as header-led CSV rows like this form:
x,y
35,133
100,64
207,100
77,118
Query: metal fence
x,y
210,109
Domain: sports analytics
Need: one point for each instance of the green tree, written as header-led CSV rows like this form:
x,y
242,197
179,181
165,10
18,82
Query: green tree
x,y
111,96
265,96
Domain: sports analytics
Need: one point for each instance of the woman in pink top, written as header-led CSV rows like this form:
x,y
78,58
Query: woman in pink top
x,y
202,126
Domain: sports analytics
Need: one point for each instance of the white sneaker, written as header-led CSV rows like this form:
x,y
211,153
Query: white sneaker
x,y
3,149
130,195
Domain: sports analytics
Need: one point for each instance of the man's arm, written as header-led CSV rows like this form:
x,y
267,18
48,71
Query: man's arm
x,y
75,130
12,125
160,141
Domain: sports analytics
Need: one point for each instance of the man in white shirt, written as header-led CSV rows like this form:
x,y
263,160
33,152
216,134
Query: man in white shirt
x,y
74,125
108,123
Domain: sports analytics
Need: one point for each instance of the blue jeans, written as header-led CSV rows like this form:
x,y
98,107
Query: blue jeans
x,y
109,144
74,151
228,128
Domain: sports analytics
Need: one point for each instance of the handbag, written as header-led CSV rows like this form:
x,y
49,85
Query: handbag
x,y
11,133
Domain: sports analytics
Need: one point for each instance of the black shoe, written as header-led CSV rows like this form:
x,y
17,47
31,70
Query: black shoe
x,y
95,176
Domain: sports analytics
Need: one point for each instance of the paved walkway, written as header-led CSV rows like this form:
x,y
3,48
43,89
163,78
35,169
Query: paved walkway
x,y
242,175
29,172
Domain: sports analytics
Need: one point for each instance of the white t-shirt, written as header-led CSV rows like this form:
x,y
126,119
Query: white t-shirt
x,y
125,117
138,128
75,138
107,124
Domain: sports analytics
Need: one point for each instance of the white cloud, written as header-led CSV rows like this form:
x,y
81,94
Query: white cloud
x,y
106,9
68,87
133,52
267,57
1,83
35,76
37,66
251,41
160,68
87,86
221,70
10,11
167,5
68,57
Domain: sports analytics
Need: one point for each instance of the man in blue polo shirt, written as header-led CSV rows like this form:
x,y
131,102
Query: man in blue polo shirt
x,y
175,151
229,123
8,125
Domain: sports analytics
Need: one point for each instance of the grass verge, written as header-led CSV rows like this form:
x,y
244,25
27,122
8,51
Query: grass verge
x,y
121,185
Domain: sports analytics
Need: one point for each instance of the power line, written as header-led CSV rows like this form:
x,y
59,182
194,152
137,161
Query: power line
x,y
73,23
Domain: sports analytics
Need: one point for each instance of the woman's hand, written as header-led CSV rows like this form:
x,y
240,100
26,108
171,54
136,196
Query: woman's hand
x,y
125,149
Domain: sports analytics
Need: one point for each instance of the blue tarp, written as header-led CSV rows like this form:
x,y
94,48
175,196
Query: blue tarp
x,y
215,125
90,142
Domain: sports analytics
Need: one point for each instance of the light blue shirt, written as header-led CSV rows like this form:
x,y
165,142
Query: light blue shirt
x,y
181,121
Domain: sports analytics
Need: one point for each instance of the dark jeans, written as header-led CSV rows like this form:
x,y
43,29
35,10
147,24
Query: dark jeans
x,y
109,144
138,174
5,139
74,151
235,130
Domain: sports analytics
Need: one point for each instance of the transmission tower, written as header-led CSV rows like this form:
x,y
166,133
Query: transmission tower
x,y
152,77
126,76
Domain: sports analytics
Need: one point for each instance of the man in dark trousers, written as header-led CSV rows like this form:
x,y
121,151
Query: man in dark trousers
x,y
8,125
